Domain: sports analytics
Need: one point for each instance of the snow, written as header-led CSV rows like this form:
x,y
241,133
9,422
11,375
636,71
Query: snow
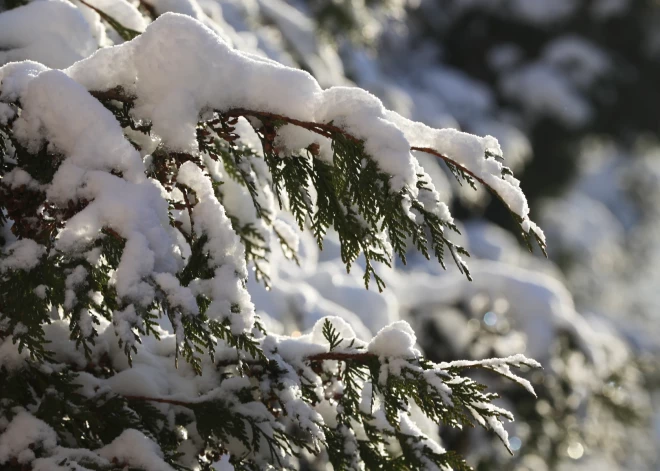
x,y
89,136
6,113
120,10
581,61
177,295
198,71
340,326
365,116
224,248
300,33
68,456
396,340
501,366
209,218
469,151
10,358
201,71
52,32
23,254
16,76
133,448
553,85
546,91
376,310
25,430
222,464
18,177
463,96
76,278
141,380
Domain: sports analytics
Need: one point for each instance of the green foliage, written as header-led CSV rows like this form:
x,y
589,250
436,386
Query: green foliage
x,y
258,401
412,382
125,33
81,422
353,195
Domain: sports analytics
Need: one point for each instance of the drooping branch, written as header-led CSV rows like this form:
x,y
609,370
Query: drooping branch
x,y
161,400
443,157
361,358
338,356
322,129
473,175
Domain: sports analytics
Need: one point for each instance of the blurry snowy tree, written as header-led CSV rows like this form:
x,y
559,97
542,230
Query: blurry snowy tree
x,y
567,81
561,70
137,185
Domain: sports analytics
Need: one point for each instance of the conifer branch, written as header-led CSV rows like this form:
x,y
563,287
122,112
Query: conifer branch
x,y
268,388
330,131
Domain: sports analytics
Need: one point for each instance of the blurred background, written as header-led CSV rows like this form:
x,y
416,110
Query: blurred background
x,y
571,88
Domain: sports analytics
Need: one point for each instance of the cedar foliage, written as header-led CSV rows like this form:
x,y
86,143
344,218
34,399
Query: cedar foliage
x,y
261,411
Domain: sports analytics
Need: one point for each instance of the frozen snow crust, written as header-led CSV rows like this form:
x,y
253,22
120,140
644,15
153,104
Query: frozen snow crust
x,y
141,260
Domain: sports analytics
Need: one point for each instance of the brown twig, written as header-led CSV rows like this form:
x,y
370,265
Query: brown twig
x,y
149,8
116,93
113,233
323,129
337,356
437,154
159,399
360,357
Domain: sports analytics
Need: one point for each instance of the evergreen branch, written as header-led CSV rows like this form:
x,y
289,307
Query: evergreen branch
x,y
323,129
125,33
160,400
362,358
332,131
453,165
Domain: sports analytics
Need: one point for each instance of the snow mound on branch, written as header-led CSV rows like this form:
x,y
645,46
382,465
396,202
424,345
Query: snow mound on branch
x,y
16,76
10,357
25,430
184,61
395,340
135,449
342,327
199,71
23,254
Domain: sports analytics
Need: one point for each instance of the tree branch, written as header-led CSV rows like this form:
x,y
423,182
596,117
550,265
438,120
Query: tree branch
x,y
324,129
337,356
437,154
159,399
359,357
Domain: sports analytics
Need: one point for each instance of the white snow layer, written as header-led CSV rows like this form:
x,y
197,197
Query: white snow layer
x,y
52,32
25,430
201,71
